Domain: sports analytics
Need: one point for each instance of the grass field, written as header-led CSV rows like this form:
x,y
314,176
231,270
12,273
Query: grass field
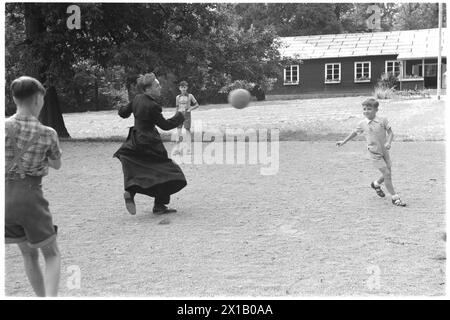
x,y
312,119
315,228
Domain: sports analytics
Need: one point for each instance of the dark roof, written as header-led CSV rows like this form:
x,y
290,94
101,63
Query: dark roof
x,y
408,44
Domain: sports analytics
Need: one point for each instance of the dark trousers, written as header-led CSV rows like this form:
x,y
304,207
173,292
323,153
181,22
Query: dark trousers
x,y
162,200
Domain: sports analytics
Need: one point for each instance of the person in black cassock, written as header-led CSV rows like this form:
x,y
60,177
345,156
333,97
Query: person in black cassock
x,y
146,166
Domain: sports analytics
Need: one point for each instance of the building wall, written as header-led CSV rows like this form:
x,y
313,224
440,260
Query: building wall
x,y
430,81
312,76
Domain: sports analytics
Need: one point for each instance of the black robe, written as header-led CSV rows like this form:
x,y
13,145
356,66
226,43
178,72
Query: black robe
x,y
146,166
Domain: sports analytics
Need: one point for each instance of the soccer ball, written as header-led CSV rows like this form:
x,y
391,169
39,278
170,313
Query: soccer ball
x,y
239,98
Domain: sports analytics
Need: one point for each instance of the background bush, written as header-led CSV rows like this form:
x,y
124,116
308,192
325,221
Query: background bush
x,y
386,86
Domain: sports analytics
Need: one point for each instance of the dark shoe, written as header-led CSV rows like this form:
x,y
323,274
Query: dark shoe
x,y
129,202
398,203
378,190
163,210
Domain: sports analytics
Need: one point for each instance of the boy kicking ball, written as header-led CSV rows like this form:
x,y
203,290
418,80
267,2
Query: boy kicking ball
x,y
378,144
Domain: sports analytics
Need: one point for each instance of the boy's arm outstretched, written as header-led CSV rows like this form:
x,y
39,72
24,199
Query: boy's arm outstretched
x,y
349,137
390,137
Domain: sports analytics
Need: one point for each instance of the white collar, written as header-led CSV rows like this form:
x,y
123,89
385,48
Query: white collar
x,y
374,120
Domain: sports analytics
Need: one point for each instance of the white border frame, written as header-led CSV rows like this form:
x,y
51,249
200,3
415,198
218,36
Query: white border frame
x,y
340,73
298,75
370,72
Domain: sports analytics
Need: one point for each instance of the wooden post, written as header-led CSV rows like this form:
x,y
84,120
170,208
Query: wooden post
x,y
402,72
423,70
439,54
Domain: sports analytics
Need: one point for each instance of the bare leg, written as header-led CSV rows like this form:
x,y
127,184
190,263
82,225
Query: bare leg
x,y
189,139
380,180
32,268
178,143
179,134
388,180
52,258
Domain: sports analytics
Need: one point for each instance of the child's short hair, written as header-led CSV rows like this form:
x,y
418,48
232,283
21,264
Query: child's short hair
x,y
183,84
371,102
25,87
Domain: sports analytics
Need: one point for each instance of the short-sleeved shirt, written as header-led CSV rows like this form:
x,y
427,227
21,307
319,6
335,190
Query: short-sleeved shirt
x,y
35,158
184,102
375,133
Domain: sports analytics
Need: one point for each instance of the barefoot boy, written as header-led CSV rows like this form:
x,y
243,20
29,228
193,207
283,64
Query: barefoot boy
x,y
185,103
378,144
30,148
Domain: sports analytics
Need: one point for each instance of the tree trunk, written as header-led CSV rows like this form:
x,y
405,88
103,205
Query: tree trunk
x,y
96,106
51,113
34,26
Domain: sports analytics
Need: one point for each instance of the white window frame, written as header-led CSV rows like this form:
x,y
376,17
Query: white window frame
x,y
332,70
290,83
370,71
393,62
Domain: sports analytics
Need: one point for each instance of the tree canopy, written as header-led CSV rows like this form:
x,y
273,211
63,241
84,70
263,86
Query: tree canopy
x,y
298,19
211,45
200,43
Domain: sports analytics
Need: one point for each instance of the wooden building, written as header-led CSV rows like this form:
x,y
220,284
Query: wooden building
x,y
353,63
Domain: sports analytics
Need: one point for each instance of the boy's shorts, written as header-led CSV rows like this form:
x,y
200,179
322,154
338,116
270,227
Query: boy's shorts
x,y
381,161
27,216
187,121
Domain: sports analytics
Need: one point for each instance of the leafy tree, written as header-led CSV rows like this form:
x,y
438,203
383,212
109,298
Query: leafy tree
x,y
37,32
411,16
297,19
200,43
28,52
313,19
354,19
294,19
